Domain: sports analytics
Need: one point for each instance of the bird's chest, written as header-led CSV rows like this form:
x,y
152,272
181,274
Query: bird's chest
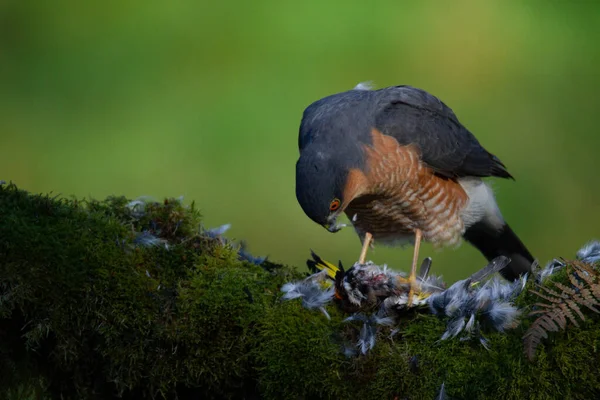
x,y
387,220
392,212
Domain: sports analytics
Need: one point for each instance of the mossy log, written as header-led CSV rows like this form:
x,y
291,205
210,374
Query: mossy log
x,y
101,300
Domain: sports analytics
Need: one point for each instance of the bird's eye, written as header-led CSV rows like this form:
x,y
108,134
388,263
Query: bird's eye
x,y
335,204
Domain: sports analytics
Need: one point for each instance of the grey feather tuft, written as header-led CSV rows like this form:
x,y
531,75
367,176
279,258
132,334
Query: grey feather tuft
x,y
438,302
550,268
147,239
432,284
368,331
349,352
502,315
590,253
470,308
369,85
218,231
441,395
311,293
138,206
366,340
245,255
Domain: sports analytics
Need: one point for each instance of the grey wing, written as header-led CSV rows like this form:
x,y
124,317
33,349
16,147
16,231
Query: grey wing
x,y
413,116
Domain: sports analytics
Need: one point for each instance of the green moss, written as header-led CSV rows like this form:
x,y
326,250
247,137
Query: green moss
x,y
310,367
93,314
87,311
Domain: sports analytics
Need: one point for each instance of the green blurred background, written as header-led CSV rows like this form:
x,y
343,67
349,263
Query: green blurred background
x,y
204,99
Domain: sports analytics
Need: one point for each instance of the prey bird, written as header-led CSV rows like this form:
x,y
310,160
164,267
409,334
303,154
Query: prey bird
x,y
401,166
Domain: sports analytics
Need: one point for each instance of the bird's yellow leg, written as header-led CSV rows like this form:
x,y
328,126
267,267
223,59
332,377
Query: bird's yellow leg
x,y
366,243
412,279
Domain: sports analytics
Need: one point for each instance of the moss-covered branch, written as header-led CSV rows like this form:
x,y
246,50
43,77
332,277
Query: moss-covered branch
x,y
102,299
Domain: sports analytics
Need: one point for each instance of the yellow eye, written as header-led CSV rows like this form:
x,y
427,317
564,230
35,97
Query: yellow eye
x,y
335,204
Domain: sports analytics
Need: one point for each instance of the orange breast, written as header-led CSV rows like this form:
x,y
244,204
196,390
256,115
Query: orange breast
x,y
398,194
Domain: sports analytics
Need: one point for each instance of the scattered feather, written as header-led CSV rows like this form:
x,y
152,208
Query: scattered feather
x,y
432,284
349,351
137,207
368,331
364,86
147,239
218,231
502,315
311,292
366,340
590,253
469,326
438,302
441,395
413,364
484,342
244,255
454,328
425,268
471,307
550,268
496,265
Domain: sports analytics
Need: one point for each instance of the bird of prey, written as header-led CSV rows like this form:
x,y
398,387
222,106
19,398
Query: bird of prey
x,y
401,166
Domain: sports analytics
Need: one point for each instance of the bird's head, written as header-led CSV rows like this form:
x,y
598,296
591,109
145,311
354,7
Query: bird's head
x,y
331,140
322,187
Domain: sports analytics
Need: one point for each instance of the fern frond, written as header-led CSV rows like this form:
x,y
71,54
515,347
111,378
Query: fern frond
x,y
567,312
549,322
544,307
588,300
585,272
551,299
565,289
590,276
562,303
551,292
575,282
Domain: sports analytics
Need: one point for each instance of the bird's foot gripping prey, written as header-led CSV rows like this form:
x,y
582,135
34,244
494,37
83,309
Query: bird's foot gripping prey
x,y
398,162
366,286
412,278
